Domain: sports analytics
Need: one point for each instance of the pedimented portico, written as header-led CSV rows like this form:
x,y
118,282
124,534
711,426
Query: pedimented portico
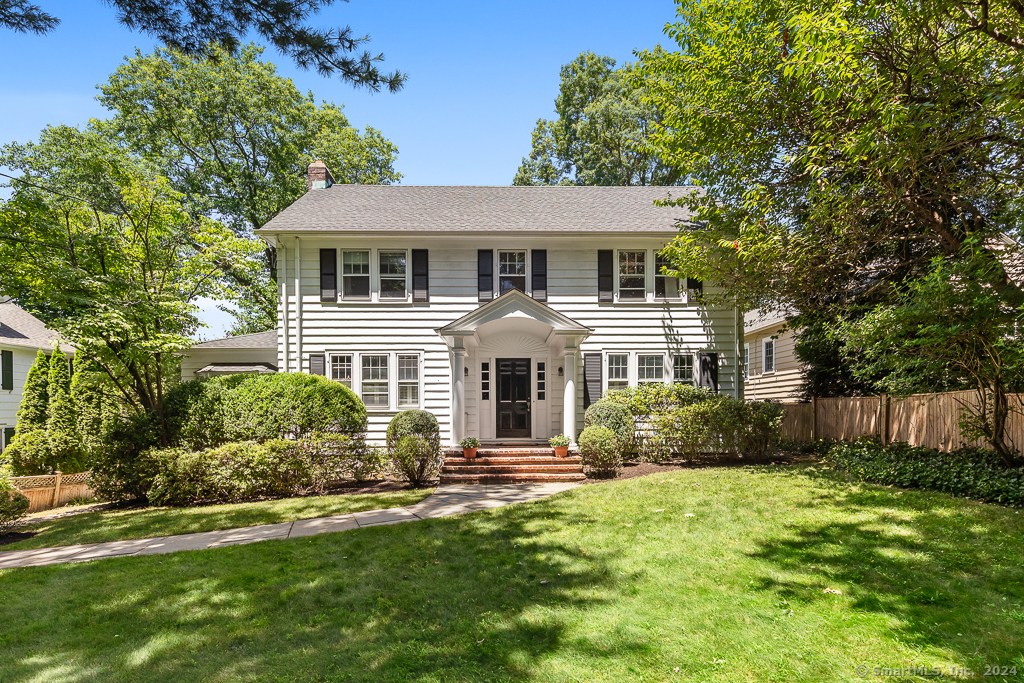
x,y
515,371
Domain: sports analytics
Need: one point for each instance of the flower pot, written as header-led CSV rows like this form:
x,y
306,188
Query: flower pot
x,y
468,452
561,451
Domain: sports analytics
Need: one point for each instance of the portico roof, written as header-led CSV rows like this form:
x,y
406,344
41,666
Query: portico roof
x,y
510,305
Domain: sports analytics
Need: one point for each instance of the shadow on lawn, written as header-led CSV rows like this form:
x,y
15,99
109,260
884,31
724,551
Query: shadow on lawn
x,y
930,562
448,599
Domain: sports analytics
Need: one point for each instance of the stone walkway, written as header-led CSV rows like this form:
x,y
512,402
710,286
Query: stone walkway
x,y
446,500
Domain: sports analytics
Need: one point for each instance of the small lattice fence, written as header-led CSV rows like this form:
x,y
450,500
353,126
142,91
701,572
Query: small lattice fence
x,y
47,491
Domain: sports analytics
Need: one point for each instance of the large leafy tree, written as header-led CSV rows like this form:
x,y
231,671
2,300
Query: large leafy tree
x,y
598,137
840,147
234,138
97,232
192,26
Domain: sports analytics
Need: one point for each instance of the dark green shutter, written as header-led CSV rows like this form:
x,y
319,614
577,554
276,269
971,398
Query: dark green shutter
x,y
8,435
420,275
7,370
605,274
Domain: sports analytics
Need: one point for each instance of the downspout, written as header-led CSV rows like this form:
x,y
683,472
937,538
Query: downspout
x,y
298,305
282,260
738,381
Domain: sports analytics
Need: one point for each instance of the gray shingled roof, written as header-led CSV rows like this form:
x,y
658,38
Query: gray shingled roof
x,y
423,208
18,327
256,340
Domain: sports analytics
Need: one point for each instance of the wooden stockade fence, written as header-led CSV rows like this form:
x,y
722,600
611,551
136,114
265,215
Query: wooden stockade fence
x,y
931,420
47,491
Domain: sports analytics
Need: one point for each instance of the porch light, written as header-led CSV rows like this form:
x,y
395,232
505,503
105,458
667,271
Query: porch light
x,y
466,371
561,372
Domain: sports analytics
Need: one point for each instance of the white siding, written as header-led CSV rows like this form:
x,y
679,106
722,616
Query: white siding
x,y
348,326
784,383
11,400
198,358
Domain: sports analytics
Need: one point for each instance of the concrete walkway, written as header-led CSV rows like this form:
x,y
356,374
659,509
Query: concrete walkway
x,y
445,501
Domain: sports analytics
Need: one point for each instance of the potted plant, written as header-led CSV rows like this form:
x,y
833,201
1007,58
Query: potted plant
x,y
561,445
469,446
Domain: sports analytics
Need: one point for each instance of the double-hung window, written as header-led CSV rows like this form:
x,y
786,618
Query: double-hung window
x,y
682,369
633,274
746,361
511,271
374,385
341,369
618,371
665,286
768,357
650,368
355,274
392,274
408,381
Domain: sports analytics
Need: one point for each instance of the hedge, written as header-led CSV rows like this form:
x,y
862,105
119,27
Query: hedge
x,y
414,446
968,473
600,450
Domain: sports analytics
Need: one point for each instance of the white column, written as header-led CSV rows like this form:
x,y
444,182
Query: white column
x,y
298,306
569,394
458,395
282,276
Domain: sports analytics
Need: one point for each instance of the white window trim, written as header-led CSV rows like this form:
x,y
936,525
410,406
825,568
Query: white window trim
x,y
764,355
694,361
683,293
357,374
605,375
650,259
746,361
496,277
375,297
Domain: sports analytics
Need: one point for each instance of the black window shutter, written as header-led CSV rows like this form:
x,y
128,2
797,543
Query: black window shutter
x,y
317,364
7,370
695,285
328,275
8,435
420,275
605,274
591,379
708,371
540,274
485,274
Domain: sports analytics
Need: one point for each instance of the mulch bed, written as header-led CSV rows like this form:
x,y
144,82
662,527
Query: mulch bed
x,y
642,469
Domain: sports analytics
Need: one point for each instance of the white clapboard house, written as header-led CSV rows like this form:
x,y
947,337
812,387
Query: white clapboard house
x,y
504,311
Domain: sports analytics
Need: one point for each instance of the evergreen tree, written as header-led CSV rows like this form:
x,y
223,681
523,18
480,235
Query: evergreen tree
x,y
36,397
61,429
93,406
29,451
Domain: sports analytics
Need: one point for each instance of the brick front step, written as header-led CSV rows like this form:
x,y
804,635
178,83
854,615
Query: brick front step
x,y
515,460
484,451
509,469
509,478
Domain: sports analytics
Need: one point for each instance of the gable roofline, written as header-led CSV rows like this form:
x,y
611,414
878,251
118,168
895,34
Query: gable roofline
x,y
506,306
254,340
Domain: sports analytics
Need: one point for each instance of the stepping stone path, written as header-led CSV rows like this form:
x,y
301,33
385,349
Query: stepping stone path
x,y
445,501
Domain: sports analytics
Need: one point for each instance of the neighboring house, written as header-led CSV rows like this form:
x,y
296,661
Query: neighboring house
x,y
21,337
772,369
245,353
504,311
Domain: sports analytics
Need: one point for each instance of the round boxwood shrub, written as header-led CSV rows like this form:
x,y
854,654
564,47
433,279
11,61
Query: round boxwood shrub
x,y
615,417
414,423
600,450
195,411
295,405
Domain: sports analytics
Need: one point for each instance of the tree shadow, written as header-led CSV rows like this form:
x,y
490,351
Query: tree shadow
x,y
466,597
929,563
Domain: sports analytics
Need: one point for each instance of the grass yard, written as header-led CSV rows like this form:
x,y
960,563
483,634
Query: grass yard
x,y
610,582
117,525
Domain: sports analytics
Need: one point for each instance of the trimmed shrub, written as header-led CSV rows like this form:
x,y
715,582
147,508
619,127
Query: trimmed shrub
x,y
294,405
759,428
968,473
13,504
413,423
615,417
370,463
649,399
196,414
416,459
122,469
600,450
686,431
29,453
414,446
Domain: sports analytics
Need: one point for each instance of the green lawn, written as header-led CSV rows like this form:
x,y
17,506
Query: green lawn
x,y
116,525
609,582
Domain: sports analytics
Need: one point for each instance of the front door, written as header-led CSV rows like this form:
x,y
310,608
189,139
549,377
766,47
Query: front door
x,y
513,405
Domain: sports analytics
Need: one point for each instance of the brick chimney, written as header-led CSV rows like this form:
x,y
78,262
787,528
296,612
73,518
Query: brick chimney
x,y
318,177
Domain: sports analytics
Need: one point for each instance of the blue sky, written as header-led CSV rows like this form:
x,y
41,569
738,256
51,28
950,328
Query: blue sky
x,y
480,75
